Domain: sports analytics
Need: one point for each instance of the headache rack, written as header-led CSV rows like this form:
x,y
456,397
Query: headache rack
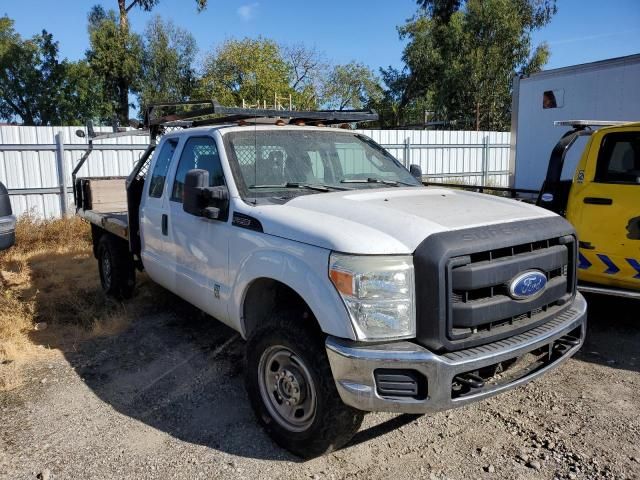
x,y
196,113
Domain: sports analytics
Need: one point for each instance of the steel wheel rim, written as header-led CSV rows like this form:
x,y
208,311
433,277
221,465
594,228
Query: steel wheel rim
x,y
287,388
106,269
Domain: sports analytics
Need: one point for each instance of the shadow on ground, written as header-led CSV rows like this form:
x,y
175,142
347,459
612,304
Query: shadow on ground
x,y
154,358
181,372
171,366
613,333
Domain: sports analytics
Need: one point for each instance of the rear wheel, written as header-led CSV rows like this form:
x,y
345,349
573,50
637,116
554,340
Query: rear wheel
x,y
115,264
292,390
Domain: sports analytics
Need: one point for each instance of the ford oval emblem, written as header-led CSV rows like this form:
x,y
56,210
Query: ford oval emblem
x,y
527,285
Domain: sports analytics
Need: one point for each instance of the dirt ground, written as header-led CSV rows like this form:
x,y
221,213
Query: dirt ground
x,y
165,399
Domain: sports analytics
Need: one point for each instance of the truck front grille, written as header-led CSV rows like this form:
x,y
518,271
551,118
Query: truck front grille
x,y
479,302
463,278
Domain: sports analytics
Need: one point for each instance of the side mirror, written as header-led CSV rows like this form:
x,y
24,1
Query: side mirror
x,y
201,200
416,172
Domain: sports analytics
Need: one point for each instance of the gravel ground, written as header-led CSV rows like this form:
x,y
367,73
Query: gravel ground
x,y
165,399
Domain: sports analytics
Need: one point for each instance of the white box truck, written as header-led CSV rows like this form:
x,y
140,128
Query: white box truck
x,y
605,90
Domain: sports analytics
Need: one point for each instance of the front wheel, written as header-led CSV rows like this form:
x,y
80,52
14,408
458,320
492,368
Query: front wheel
x,y
293,393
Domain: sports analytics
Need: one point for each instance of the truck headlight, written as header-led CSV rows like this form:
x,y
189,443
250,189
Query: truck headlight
x,y
378,292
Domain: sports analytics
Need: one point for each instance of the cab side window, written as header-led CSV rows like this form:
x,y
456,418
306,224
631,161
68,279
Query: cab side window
x,y
159,175
202,153
619,159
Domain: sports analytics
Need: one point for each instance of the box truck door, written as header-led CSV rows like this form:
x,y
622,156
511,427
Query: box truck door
x,y
604,207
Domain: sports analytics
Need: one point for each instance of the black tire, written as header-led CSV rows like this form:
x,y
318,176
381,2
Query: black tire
x,y
333,423
115,264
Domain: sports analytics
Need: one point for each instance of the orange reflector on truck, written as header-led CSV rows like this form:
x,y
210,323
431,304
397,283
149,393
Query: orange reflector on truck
x,y
343,281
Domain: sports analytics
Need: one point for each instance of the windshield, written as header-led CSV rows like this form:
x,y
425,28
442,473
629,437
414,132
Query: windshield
x,y
295,162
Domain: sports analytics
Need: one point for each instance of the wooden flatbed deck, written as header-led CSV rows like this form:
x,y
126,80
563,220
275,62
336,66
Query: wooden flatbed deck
x,y
113,222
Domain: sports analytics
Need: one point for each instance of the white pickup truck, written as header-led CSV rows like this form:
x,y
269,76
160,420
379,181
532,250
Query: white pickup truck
x,y
356,288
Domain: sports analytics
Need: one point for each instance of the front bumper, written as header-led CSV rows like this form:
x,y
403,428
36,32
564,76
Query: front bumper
x,y
353,365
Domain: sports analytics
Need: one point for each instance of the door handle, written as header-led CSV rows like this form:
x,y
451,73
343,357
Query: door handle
x,y
598,201
165,224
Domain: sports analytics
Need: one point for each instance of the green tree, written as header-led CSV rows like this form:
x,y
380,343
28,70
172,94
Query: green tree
x,y
352,85
81,97
168,72
37,88
252,70
395,105
461,57
115,56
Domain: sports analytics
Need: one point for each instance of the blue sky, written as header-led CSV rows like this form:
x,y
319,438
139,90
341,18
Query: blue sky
x,y
363,30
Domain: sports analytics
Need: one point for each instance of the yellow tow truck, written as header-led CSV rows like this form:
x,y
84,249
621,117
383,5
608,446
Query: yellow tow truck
x,y
602,201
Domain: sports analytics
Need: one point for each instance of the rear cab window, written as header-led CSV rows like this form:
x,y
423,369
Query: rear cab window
x,y
159,174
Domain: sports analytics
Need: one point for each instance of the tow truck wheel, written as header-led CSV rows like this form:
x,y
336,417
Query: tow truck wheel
x,y
117,272
292,391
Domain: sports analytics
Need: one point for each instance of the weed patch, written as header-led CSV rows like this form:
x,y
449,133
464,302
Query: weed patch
x,y
50,294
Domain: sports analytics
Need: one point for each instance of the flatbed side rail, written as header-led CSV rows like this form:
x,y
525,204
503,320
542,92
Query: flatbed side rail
x,y
90,147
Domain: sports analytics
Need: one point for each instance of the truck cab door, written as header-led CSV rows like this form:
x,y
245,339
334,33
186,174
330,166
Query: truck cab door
x,y
154,216
604,207
198,245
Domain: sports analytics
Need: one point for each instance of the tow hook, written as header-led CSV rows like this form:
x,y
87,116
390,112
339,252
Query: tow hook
x,y
568,341
470,380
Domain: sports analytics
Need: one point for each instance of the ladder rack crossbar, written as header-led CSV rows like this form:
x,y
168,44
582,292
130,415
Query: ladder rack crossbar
x,y
155,118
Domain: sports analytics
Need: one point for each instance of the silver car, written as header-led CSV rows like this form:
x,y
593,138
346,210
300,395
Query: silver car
x,y
7,220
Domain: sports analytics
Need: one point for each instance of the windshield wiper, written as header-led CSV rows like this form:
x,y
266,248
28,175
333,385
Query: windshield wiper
x,y
375,180
309,186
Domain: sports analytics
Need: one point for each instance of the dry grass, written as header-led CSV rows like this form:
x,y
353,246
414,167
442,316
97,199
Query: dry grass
x,y
51,277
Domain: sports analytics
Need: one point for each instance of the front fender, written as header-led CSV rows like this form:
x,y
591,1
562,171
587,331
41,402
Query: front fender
x,y
303,268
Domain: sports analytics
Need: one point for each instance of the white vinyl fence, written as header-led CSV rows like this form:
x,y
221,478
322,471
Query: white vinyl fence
x,y
36,162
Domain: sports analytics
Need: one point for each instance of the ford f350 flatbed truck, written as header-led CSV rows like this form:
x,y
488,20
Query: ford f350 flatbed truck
x,y
357,288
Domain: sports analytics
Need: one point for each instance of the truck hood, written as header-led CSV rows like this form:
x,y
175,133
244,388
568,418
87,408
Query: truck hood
x,y
386,220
